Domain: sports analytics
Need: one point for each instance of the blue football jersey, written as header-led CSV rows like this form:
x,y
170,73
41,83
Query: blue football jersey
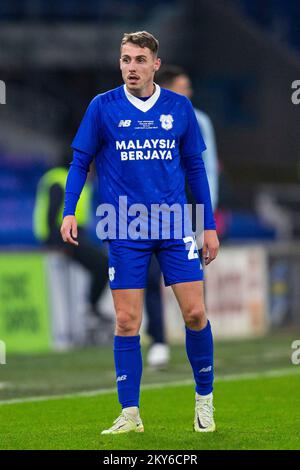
x,y
140,147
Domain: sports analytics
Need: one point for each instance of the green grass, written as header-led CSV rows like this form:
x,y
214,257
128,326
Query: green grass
x,y
93,368
262,413
256,413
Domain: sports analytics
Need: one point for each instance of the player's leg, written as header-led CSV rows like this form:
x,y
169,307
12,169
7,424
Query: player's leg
x,y
128,358
199,348
183,271
128,275
190,297
127,349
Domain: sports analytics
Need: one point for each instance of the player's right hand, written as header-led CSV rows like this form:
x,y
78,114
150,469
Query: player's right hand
x,y
68,230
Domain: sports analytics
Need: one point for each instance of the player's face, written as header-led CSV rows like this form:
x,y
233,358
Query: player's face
x,y
182,85
138,66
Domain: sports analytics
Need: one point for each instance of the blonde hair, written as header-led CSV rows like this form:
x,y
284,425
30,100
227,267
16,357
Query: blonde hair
x,y
142,39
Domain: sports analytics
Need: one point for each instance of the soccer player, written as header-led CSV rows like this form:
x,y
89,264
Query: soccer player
x,y
145,139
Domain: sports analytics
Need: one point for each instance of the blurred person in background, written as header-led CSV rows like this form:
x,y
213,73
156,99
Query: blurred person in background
x,y
158,355
48,214
175,78
127,131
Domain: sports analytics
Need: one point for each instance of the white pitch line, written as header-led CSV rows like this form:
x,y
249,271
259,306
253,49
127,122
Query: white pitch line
x,y
107,391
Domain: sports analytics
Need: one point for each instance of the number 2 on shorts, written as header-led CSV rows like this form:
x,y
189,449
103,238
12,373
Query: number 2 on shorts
x,y
193,250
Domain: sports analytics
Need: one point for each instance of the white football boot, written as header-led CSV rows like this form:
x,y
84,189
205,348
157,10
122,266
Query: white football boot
x,y
129,420
204,414
158,355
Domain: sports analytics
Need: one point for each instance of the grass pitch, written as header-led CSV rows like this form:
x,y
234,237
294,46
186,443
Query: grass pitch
x,y
260,410
260,413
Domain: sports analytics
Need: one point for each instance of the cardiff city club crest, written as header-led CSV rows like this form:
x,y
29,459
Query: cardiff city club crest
x,y
166,121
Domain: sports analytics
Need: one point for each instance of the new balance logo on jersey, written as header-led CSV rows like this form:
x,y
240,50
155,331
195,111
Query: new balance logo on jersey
x,y
121,378
205,369
124,123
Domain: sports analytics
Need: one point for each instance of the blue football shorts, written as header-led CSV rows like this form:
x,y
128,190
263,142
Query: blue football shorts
x,y
129,261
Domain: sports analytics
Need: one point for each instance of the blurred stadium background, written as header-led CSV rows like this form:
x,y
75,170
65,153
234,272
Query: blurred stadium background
x,y
243,56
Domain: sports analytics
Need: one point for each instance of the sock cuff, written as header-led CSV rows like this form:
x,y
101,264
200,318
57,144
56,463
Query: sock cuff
x,y
126,342
201,333
203,397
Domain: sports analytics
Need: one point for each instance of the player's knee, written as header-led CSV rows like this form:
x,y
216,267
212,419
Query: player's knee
x,y
126,323
195,317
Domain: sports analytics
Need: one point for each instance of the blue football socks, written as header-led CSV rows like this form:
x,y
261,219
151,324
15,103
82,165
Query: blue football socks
x,y
128,364
199,348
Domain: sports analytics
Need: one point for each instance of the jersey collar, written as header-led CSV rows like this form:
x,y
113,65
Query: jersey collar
x,y
143,105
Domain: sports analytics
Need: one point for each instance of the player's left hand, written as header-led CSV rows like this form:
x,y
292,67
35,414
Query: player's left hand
x,y
210,246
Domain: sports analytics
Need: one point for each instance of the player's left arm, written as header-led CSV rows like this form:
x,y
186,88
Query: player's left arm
x,y
192,146
210,246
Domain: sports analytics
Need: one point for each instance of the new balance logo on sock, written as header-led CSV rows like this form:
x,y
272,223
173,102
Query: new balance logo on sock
x,y
121,378
205,369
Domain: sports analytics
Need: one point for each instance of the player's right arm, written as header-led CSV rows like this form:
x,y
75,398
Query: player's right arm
x,y
85,145
76,179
